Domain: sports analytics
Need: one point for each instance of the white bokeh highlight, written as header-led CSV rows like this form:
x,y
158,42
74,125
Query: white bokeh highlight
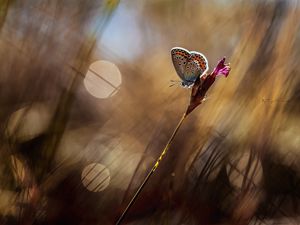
x,y
103,79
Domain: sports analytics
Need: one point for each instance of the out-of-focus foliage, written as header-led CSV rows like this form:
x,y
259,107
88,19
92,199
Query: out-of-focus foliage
x,y
236,158
4,6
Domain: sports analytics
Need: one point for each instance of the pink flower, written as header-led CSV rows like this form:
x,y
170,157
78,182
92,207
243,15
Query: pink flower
x,y
202,84
221,68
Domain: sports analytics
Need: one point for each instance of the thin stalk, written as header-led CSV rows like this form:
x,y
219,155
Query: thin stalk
x,y
163,153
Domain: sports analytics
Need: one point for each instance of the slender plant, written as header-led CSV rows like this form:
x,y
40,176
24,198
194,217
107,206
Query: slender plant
x,y
198,93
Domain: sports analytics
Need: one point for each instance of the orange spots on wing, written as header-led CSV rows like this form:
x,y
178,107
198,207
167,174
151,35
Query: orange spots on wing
x,y
181,54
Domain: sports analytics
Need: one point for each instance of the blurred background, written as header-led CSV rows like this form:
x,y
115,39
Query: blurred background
x,y
86,108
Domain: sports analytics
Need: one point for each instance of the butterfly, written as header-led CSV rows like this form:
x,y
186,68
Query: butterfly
x,y
189,65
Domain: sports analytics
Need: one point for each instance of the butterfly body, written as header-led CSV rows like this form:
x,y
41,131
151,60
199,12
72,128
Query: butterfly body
x,y
189,65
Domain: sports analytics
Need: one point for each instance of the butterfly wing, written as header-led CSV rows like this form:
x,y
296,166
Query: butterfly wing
x,y
180,58
199,64
192,70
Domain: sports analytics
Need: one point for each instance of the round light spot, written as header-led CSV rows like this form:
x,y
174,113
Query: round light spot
x,y
103,79
95,177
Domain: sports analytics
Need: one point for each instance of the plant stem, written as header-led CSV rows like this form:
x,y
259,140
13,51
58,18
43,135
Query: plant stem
x,y
163,153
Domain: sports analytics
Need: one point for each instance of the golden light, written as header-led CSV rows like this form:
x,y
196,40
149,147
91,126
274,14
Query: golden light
x,y
29,122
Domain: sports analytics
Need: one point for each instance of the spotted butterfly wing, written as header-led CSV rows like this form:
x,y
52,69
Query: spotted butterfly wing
x,y
180,58
188,65
200,61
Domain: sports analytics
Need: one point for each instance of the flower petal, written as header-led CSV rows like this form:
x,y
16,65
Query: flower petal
x,y
221,68
202,84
